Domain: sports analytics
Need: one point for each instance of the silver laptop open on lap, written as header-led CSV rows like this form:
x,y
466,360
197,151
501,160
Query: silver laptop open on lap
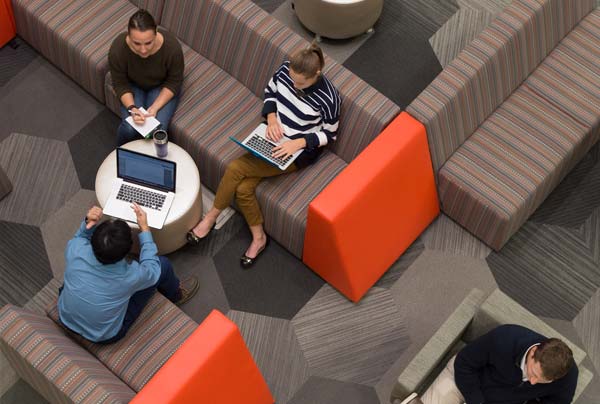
x,y
257,144
147,180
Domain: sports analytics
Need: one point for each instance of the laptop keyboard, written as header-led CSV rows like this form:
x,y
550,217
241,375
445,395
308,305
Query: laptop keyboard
x,y
142,197
264,147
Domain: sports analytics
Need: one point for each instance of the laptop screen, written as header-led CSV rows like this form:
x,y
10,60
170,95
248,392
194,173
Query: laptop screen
x,y
146,170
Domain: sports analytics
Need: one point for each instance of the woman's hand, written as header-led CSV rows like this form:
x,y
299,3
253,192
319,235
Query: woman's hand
x,y
288,148
152,111
274,129
137,115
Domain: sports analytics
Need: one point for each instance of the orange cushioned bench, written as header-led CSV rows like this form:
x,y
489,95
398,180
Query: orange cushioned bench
x,y
373,210
7,22
213,366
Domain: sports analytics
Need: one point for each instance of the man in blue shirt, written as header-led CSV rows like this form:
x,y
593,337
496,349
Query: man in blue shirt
x,y
103,294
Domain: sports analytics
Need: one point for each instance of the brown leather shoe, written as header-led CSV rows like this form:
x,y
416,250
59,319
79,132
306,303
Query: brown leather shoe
x,y
188,288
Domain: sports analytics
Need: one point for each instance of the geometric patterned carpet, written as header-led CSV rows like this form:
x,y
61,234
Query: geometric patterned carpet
x,y
311,344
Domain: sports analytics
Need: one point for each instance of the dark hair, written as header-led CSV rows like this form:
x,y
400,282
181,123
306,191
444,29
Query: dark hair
x,y
111,241
141,20
308,61
555,358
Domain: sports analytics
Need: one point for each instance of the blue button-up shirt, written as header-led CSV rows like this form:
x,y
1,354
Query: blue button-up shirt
x,y
95,296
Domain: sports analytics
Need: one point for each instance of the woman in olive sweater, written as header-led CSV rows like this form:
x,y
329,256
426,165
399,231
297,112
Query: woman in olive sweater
x,y
146,66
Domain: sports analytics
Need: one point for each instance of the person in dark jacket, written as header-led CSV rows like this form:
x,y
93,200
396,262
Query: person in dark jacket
x,y
509,365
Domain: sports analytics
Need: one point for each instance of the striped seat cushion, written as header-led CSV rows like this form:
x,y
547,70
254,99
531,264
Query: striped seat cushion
x,y
569,77
75,35
509,165
56,366
154,337
284,200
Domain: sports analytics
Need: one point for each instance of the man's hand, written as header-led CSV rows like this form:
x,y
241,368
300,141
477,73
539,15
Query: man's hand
x,y
274,129
140,214
288,148
93,216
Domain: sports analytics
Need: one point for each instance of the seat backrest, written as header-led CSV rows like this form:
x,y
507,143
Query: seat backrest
x,y
154,7
53,364
490,68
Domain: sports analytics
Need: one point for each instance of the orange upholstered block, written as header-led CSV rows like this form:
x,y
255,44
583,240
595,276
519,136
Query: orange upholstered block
x,y
7,22
373,210
213,366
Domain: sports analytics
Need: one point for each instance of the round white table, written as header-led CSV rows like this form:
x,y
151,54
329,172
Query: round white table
x,y
186,209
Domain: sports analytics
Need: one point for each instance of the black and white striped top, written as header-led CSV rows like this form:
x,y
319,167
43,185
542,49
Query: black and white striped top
x,y
313,113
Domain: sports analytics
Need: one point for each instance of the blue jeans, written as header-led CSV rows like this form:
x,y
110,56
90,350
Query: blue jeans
x,y
126,133
168,285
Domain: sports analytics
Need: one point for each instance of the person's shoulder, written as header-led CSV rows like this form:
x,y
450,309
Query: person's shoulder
x,y
119,42
171,42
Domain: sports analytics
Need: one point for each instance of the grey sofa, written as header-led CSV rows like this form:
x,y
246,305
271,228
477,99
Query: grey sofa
x,y
475,316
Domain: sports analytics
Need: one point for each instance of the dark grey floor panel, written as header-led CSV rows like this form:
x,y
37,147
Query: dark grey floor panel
x,y
269,5
319,390
549,270
572,202
278,285
22,393
24,265
13,60
397,269
41,101
218,238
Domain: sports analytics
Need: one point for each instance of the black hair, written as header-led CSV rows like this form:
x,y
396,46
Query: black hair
x,y
111,241
141,20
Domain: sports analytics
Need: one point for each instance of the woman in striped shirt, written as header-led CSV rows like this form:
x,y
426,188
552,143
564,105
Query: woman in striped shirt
x,y
301,104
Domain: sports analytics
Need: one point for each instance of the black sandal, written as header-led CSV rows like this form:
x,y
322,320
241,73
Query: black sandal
x,y
247,262
195,240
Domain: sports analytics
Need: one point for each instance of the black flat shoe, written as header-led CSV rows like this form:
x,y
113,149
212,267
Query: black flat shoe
x,y
195,240
247,262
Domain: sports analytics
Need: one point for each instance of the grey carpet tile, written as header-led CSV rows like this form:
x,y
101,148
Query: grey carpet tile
x,y
549,270
401,264
491,6
590,232
217,239
46,296
43,178
351,342
90,146
268,5
22,393
445,235
587,324
573,200
278,284
319,390
275,349
8,377
60,227
210,293
457,33
13,60
42,101
24,266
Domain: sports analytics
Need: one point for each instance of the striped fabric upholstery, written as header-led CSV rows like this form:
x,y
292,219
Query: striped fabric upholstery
x,y
154,7
509,165
236,35
284,200
53,364
569,77
75,35
154,337
487,71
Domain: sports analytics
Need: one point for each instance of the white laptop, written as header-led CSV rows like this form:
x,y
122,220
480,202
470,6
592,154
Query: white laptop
x,y
257,144
147,180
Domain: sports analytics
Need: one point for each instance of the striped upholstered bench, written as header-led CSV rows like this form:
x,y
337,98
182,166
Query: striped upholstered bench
x,y
513,113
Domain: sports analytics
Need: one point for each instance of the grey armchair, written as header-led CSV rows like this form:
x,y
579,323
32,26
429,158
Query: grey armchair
x,y
473,317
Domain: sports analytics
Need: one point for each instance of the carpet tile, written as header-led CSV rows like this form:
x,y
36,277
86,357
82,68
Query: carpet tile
x,y
268,5
549,270
41,101
401,264
445,235
587,324
319,390
90,146
275,348
350,342
24,266
278,285
21,393
43,178
13,60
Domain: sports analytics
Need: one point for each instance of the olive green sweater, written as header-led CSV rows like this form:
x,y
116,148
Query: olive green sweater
x,y
164,68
